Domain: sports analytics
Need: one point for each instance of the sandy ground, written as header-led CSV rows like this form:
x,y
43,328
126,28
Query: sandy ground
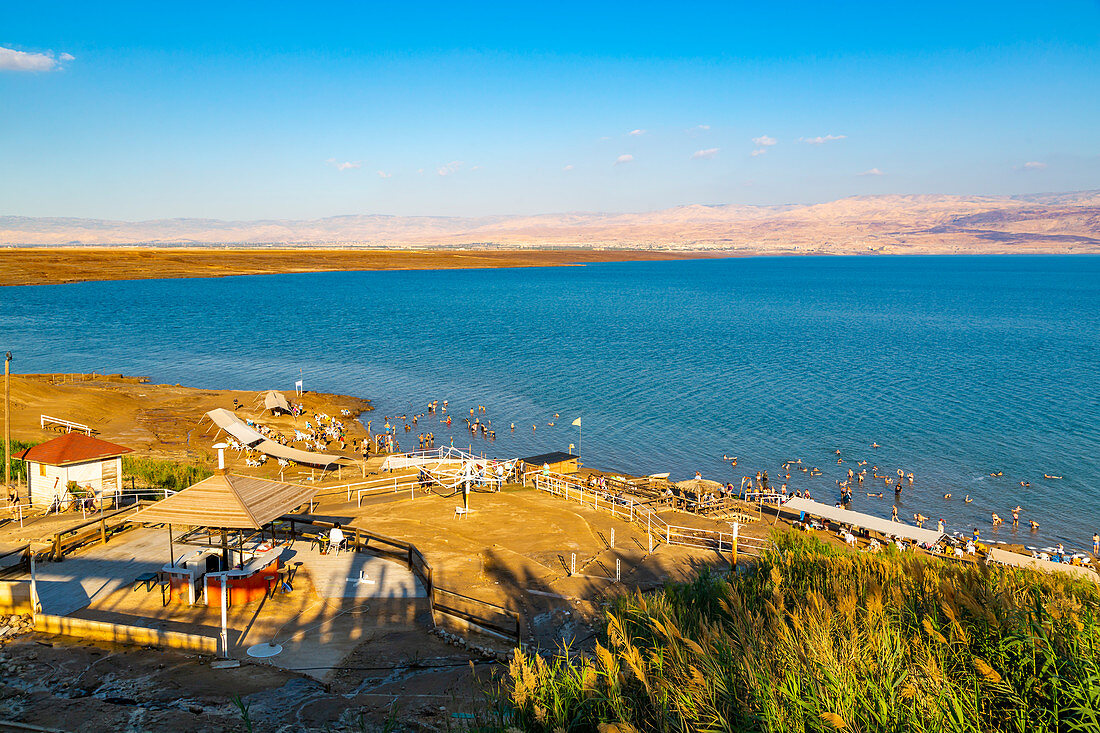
x,y
156,420
41,266
344,662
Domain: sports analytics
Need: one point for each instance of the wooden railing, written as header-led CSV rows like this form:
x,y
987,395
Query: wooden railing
x,y
489,616
101,528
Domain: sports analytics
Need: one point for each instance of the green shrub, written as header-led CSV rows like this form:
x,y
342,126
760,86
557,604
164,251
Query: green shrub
x,y
18,468
159,474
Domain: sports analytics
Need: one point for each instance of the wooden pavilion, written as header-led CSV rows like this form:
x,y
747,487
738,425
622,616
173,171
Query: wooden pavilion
x,y
215,506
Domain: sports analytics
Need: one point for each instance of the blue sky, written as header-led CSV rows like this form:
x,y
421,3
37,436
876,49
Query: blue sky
x,y
245,111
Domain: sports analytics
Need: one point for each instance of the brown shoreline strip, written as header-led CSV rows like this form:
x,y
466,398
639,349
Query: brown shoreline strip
x,y
43,266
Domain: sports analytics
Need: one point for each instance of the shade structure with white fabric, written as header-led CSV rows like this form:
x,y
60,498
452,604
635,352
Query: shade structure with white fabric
x,y
865,521
231,424
275,401
228,501
278,450
248,437
1014,559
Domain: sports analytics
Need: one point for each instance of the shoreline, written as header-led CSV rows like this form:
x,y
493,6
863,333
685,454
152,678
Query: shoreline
x,y
63,265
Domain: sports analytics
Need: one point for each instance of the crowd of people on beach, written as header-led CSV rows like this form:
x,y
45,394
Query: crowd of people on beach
x,y
858,475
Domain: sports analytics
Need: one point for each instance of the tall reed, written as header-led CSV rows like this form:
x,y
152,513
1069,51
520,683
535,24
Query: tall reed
x,y
815,638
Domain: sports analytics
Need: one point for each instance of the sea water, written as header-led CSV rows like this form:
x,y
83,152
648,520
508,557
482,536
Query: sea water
x,y
957,367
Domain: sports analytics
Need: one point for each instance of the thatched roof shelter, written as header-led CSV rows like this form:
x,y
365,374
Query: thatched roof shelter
x,y
229,502
700,485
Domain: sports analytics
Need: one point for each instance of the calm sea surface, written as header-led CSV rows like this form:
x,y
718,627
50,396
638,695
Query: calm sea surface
x,y
956,366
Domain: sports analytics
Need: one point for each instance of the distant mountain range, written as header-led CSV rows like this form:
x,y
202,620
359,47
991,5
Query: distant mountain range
x,y
1060,222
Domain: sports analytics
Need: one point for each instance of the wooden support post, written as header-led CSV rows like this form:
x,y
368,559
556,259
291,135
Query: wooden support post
x,y
357,539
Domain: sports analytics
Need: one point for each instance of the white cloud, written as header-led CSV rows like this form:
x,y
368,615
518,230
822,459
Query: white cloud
x,y
704,154
12,60
636,133
702,128
568,167
758,151
871,172
821,139
764,141
624,159
450,168
347,165
1032,165
383,174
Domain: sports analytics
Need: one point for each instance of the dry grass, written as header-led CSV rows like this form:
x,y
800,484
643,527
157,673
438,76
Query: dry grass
x,y
815,638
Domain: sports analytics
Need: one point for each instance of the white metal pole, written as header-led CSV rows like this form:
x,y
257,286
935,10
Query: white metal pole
x,y
34,587
225,624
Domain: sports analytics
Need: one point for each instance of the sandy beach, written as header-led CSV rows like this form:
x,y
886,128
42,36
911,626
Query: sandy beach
x,y
44,266
156,420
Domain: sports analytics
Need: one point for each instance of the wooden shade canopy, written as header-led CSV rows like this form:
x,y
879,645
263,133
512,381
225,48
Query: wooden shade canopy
x,y
228,502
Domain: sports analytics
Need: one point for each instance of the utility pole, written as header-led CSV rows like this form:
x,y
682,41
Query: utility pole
x,y
7,420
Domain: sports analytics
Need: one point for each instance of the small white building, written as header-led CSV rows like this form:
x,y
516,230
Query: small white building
x,y
95,465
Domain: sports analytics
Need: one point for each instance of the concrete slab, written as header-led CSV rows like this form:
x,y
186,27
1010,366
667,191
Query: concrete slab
x,y
78,580
350,575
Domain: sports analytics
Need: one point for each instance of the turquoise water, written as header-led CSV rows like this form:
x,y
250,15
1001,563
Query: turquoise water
x,y
956,366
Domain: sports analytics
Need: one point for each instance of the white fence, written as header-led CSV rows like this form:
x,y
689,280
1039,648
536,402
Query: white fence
x,y
629,510
45,421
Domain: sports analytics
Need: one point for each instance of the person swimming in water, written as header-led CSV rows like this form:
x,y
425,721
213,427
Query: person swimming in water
x,y
968,499
947,496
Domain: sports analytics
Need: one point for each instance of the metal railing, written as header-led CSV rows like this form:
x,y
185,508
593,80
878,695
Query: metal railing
x,y
47,422
630,510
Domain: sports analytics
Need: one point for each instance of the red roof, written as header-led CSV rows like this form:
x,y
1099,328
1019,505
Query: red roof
x,y
71,448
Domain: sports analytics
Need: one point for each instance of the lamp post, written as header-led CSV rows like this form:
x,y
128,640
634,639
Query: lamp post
x,y
7,420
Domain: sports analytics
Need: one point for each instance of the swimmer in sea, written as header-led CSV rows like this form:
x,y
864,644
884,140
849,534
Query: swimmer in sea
x,y
947,496
1025,484
996,474
1016,516
874,445
1047,475
894,518
996,519
968,499
863,463
1034,525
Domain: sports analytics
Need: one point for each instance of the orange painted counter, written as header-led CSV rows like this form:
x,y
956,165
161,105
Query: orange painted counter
x,y
247,583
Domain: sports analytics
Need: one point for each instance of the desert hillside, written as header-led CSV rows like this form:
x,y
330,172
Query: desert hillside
x,y
1067,222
